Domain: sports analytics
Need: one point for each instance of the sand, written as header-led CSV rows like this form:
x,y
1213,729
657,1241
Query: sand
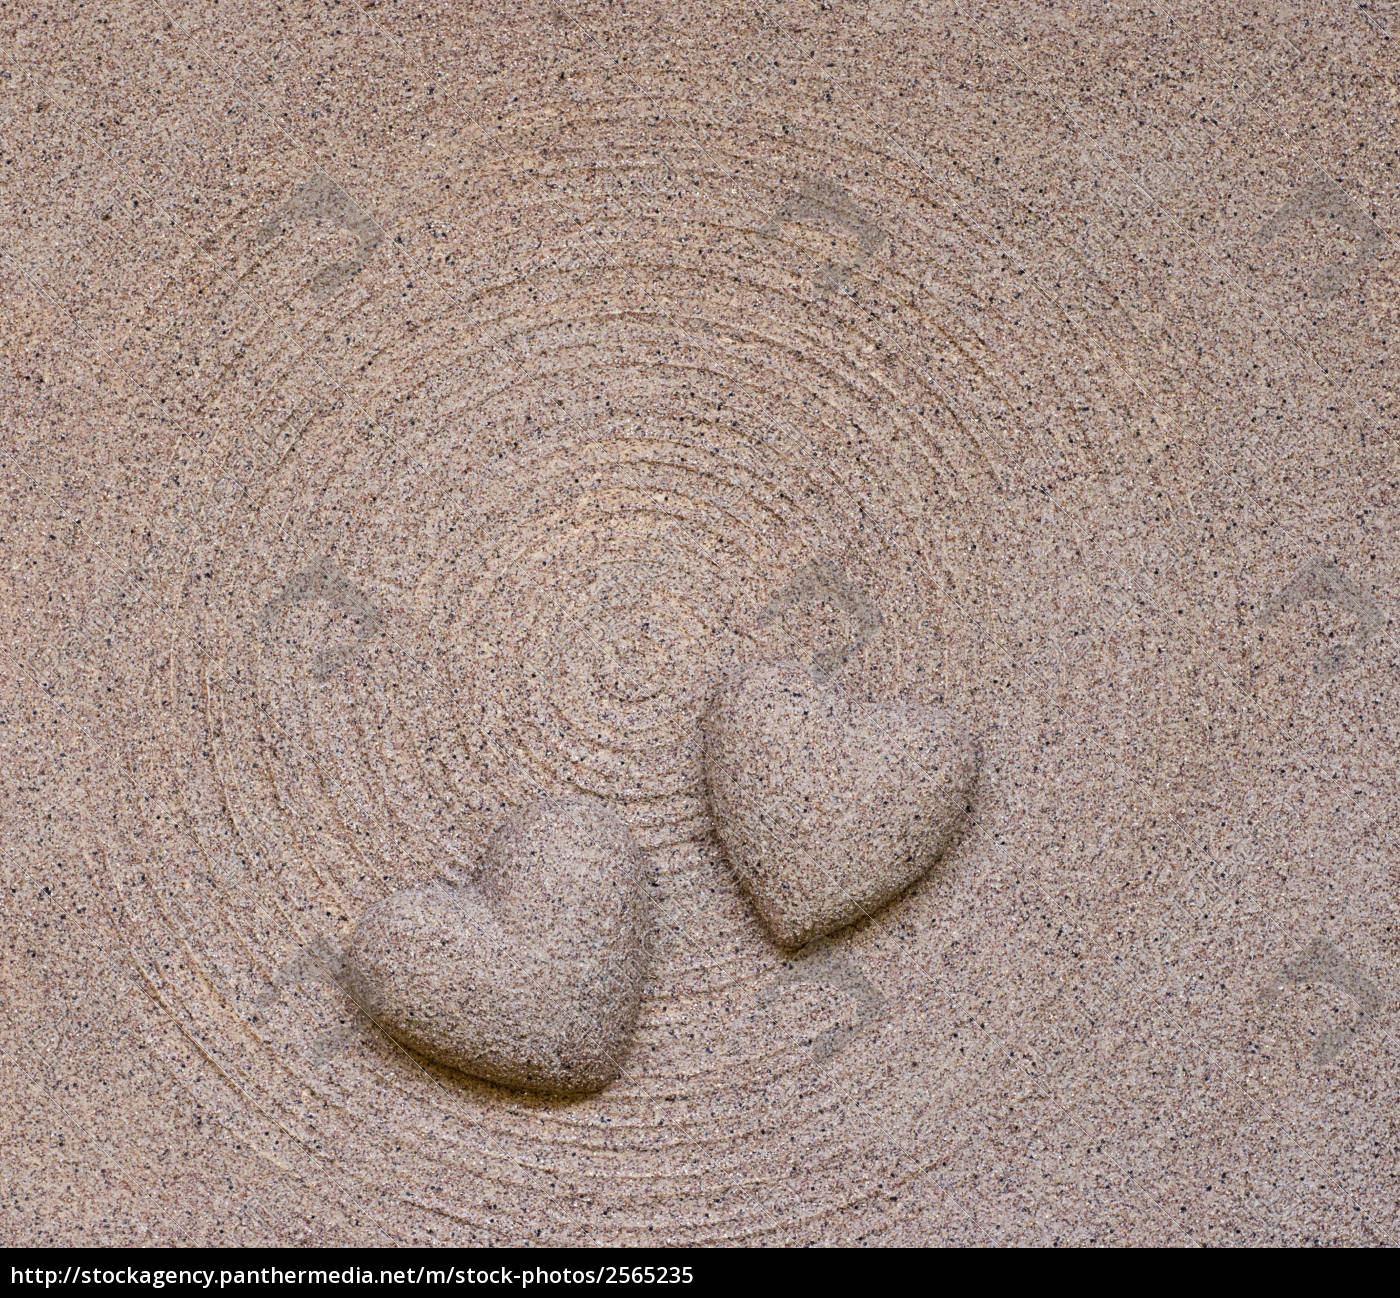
x,y
531,974
827,809
413,412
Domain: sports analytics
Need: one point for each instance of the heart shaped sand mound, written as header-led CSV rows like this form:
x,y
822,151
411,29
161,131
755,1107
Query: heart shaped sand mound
x,y
531,975
827,809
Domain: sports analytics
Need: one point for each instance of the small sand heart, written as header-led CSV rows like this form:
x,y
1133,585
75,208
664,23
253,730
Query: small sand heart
x,y
826,808
530,975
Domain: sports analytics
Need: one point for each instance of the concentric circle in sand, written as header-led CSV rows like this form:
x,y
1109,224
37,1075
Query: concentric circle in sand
x,y
473,496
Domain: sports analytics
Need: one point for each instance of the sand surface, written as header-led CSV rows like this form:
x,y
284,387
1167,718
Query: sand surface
x,y
410,411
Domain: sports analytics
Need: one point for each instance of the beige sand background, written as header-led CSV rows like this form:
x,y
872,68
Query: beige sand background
x,y
412,409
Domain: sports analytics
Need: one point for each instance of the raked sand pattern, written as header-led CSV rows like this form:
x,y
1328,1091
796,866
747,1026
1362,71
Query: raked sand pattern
x,y
411,413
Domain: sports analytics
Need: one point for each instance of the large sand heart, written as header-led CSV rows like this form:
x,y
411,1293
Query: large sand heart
x,y
826,808
529,976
